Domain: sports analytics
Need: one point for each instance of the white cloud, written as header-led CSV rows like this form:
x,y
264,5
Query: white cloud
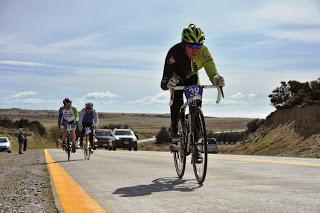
x,y
24,94
308,36
291,12
252,95
87,40
160,98
238,95
29,101
22,63
104,95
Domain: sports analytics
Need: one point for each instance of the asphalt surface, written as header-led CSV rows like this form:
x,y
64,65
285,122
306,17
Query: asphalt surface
x,y
123,181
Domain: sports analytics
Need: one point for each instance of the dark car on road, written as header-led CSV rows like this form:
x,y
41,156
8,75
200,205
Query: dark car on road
x,y
104,138
125,139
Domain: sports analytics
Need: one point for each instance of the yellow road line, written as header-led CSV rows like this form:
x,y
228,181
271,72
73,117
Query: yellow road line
x,y
292,163
71,196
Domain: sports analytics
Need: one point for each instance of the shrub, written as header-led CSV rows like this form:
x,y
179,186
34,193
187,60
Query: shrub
x,y
5,122
54,133
227,136
34,126
253,125
163,136
113,126
295,93
281,95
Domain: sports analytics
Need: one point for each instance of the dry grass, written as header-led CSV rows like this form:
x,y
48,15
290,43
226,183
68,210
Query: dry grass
x,y
150,146
146,125
290,132
34,141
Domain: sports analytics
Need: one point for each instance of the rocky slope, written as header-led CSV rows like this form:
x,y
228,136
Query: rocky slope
x,y
286,132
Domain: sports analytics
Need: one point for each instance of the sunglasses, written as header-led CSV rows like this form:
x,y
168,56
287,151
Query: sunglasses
x,y
194,46
88,108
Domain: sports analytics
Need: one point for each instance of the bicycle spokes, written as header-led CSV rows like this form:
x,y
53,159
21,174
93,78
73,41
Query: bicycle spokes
x,y
200,147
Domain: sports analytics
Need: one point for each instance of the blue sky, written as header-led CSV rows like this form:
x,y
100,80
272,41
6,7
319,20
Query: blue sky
x,y
112,52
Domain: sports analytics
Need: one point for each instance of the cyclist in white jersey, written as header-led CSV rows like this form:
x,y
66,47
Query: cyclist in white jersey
x,y
68,114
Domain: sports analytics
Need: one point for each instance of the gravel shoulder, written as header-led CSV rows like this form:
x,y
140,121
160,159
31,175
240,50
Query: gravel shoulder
x,y
24,183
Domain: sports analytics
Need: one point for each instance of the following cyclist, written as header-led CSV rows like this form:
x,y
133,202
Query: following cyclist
x,y
68,114
88,118
181,67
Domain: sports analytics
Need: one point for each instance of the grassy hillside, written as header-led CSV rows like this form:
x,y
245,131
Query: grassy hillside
x,y
34,140
286,132
146,125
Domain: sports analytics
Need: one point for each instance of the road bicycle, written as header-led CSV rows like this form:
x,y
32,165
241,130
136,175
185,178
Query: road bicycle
x,y
86,146
69,128
192,130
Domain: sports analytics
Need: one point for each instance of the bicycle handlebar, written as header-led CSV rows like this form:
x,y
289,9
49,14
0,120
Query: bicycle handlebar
x,y
220,90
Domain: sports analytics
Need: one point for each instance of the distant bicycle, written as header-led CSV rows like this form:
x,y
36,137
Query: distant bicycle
x,y
67,148
86,146
192,129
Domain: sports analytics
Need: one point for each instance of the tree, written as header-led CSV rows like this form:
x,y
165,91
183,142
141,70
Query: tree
x,y
163,136
281,95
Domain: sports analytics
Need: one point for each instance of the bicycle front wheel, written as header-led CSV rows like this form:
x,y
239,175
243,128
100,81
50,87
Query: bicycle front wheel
x,y
200,152
68,147
179,155
88,150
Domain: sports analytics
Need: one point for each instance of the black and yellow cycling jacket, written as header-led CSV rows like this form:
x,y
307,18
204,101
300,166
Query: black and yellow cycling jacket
x,y
179,65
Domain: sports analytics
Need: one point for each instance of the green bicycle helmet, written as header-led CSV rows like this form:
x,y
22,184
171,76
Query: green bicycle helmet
x,y
193,34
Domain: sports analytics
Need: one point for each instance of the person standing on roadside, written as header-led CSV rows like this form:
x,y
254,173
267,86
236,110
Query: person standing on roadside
x,y
22,139
25,143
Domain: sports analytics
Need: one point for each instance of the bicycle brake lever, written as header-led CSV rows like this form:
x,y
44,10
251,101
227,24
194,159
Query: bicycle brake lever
x,y
219,95
222,93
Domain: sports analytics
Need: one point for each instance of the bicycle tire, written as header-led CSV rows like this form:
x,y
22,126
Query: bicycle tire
x,y
88,150
68,147
200,145
180,155
85,150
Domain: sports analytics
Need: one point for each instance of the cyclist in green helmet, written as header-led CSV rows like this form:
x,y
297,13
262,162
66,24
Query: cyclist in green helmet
x,y
181,67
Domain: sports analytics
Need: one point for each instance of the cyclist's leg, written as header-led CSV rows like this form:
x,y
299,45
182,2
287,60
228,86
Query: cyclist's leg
x,y
85,138
73,138
63,135
91,139
81,136
175,109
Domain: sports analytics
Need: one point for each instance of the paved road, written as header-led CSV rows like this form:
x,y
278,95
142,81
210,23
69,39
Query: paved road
x,y
123,181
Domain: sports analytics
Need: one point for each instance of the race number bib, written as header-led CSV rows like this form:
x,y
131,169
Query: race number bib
x,y
88,130
69,127
193,93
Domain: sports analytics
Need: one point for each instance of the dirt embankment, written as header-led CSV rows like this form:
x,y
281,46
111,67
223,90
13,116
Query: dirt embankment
x,y
286,132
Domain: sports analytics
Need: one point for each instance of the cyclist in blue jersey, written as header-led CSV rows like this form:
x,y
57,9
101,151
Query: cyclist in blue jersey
x,y
88,118
182,65
68,114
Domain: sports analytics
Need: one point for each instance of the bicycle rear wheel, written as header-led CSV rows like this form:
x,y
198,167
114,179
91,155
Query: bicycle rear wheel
x,y
85,150
179,156
200,152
